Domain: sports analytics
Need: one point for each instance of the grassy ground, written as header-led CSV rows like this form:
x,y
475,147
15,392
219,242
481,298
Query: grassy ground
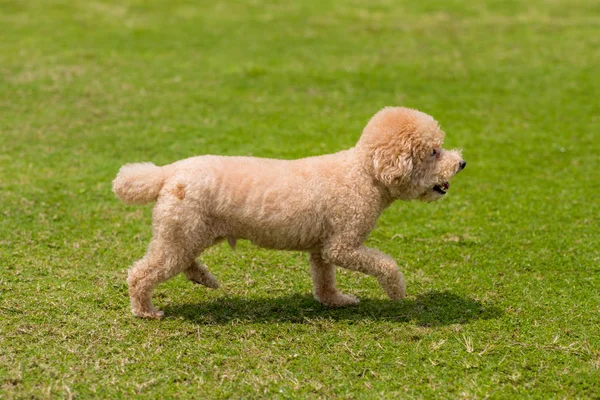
x,y
503,274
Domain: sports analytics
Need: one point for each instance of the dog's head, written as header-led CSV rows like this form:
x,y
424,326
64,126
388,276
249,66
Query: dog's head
x,y
403,148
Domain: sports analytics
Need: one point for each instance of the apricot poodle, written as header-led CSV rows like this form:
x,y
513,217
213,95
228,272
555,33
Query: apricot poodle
x,y
325,205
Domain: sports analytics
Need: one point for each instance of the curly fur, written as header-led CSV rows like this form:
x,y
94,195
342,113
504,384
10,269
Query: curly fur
x,y
325,205
138,183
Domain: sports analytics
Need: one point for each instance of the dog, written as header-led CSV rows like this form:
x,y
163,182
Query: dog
x,y
325,205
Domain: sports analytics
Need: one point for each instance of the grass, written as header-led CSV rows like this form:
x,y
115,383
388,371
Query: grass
x,y
503,274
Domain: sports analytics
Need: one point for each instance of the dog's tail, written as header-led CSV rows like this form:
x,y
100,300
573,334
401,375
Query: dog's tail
x,y
139,183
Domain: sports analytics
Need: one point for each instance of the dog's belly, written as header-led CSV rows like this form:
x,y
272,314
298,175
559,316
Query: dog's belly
x,y
298,234
286,241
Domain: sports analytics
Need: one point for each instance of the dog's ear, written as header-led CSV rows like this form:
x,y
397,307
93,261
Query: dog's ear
x,y
392,169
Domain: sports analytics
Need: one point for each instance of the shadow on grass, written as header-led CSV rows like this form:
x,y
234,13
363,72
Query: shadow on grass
x,y
428,309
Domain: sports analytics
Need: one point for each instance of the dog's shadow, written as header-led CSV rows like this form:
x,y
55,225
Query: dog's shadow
x,y
430,309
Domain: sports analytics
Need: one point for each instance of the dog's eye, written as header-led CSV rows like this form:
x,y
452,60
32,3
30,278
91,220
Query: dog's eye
x,y
434,153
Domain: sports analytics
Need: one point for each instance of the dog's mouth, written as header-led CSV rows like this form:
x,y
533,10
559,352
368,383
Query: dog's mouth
x,y
442,188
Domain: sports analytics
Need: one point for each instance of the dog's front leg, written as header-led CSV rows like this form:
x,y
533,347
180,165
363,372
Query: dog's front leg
x,y
371,262
324,289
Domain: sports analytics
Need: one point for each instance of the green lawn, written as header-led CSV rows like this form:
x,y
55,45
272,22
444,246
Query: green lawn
x,y
503,274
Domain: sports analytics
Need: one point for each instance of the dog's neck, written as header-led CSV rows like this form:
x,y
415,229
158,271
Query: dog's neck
x,y
380,194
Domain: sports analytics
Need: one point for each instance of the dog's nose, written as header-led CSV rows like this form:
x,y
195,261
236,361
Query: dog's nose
x,y
462,165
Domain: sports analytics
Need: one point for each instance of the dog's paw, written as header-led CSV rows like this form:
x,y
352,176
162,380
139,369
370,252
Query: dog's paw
x,y
394,285
153,313
396,296
338,299
201,276
395,292
207,280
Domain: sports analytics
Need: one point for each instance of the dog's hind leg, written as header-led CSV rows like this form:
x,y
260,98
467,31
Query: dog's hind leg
x,y
158,265
324,289
176,242
198,273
